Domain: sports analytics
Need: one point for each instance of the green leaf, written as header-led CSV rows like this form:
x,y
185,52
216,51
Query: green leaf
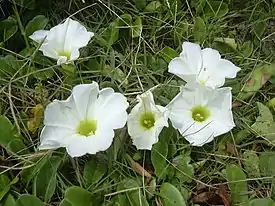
x,y
181,31
261,202
17,146
259,28
215,9
108,36
251,163
153,6
65,203
10,201
247,48
171,195
167,53
136,29
158,157
134,193
267,166
198,5
4,185
237,183
6,132
258,78
28,200
140,4
29,173
30,4
78,196
229,42
94,171
125,19
199,30
264,124
37,23
185,171
45,181
8,28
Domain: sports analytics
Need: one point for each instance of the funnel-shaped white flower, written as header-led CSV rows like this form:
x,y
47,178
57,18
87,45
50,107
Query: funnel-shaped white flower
x,y
200,114
204,66
63,41
146,121
85,122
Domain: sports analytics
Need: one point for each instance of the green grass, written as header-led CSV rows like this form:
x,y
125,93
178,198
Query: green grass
x,y
122,175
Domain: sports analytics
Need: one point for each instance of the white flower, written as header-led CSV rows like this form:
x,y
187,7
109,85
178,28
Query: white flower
x,y
200,114
85,122
63,41
146,121
202,66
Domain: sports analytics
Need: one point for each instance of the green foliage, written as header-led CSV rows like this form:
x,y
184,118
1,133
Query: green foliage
x,y
37,23
77,196
237,183
185,171
6,131
94,171
158,158
199,30
251,164
171,195
168,54
45,180
258,78
153,6
264,124
266,164
133,192
262,202
8,28
28,200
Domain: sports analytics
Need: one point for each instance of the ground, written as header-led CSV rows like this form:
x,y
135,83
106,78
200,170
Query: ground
x,y
133,44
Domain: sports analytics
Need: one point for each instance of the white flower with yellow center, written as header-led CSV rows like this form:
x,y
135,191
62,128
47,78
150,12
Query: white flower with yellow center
x,y
200,114
203,66
85,122
146,121
63,41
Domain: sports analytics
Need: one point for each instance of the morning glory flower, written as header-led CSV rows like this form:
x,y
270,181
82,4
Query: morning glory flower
x,y
63,41
146,121
203,66
85,122
200,113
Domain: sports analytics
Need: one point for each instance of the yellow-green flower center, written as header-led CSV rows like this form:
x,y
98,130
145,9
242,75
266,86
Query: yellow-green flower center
x,y
87,127
65,54
200,113
147,120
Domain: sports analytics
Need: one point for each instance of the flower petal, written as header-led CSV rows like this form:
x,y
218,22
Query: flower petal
x,y
53,137
77,35
62,114
199,134
74,54
101,141
85,96
49,51
188,64
146,140
191,54
228,69
39,35
111,109
180,68
78,146
210,58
